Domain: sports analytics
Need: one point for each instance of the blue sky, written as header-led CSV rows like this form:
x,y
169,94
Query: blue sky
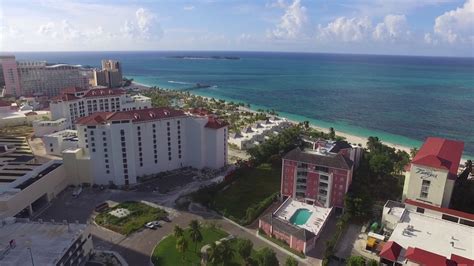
x,y
413,27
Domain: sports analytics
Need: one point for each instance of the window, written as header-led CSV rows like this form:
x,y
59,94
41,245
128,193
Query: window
x,y
450,218
420,210
425,186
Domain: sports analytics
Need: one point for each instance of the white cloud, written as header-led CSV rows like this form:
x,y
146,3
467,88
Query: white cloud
x,y
292,23
346,29
359,29
145,26
393,27
456,25
188,8
47,29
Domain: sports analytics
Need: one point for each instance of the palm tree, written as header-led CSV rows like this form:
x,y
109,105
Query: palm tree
x,y
181,245
244,248
214,254
178,231
195,232
226,251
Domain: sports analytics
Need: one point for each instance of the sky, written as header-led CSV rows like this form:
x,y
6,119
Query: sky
x,y
407,27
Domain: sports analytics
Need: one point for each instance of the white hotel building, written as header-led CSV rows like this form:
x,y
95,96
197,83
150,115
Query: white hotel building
x,y
117,147
74,103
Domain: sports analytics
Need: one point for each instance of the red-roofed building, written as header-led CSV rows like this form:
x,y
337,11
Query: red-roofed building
x,y
119,147
422,257
390,252
74,103
461,261
433,171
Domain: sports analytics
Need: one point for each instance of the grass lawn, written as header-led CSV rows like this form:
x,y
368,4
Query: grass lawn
x,y
17,131
165,253
254,185
140,214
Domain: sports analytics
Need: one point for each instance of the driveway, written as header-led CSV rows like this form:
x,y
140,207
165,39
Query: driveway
x,y
137,248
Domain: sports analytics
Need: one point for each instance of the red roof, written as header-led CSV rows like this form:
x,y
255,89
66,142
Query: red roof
x,y
199,111
72,90
103,92
134,115
440,153
65,97
215,123
461,261
390,251
461,214
424,257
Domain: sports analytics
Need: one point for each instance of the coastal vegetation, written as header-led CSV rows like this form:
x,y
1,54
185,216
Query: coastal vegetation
x,y
140,214
463,187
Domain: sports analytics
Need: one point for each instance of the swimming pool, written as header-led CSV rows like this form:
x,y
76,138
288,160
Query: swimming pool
x,y
300,216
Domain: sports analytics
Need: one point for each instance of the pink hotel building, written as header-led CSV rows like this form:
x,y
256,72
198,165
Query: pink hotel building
x,y
314,181
320,176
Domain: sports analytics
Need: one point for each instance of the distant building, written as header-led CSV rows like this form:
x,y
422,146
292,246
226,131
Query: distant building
x,y
40,78
44,243
110,75
9,76
45,127
119,147
74,103
433,172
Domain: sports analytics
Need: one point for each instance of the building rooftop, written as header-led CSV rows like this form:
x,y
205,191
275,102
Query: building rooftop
x,y
440,153
47,242
135,116
434,235
312,226
314,157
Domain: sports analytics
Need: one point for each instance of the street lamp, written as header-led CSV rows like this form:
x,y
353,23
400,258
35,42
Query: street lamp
x,y
31,256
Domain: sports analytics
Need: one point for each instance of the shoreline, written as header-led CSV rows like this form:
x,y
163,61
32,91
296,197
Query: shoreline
x,y
350,137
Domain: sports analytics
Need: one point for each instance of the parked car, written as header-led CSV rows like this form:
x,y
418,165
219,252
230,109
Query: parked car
x,y
153,225
101,207
77,191
166,219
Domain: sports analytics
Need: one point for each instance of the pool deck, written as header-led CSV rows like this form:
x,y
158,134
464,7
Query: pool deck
x,y
315,222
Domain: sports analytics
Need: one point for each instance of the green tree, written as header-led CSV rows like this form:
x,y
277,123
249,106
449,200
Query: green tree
x,y
215,254
182,246
372,262
267,257
381,164
355,261
226,251
290,261
195,233
178,231
244,248
306,124
413,152
332,133
373,143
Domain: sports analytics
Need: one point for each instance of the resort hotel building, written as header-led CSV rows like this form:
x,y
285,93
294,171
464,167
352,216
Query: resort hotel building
x,y
313,182
74,103
423,230
119,147
39,78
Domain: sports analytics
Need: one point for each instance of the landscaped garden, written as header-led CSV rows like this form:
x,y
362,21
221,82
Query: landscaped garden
x,y
183,247
128,217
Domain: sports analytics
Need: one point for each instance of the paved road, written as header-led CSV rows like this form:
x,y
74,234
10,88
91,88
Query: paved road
x,y
136,248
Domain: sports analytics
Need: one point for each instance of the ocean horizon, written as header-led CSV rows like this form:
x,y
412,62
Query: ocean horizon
x,y
400,99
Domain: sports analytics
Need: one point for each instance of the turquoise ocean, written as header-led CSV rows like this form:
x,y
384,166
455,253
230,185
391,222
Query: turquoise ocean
x,y
400,99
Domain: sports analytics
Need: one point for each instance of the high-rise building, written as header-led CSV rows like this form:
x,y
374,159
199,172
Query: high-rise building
x,y
40,78
119,147
433,172
9,75
110,75
74,103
